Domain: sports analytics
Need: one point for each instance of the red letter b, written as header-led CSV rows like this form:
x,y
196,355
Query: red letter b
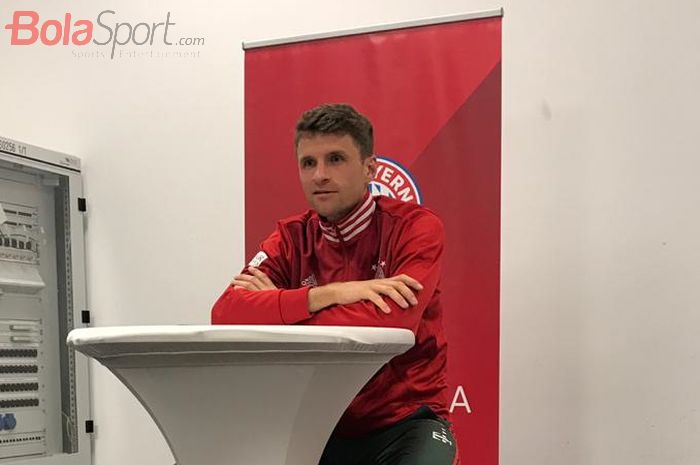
x,y
16,26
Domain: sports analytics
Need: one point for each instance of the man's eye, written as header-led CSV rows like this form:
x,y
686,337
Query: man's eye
x,y
307,163
336,158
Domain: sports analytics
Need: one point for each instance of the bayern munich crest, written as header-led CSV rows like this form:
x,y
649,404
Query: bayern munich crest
x,y
395,181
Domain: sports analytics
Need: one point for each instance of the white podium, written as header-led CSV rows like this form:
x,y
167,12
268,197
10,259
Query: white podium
x,y
248,395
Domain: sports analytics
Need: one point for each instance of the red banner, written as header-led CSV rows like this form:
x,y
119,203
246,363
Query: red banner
x,y
433,94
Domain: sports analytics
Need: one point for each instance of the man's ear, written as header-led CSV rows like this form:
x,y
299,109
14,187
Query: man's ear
x,y
370,167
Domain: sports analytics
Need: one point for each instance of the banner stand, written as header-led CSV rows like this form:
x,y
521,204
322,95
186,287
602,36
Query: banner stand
x,y
432,89
249,45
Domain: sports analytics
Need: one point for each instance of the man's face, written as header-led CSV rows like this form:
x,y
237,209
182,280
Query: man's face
x,y
332,173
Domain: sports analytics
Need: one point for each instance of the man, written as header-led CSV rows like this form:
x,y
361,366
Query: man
x,y
357,260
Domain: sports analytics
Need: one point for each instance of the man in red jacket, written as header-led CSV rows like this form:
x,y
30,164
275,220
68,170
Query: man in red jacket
x,y
358,260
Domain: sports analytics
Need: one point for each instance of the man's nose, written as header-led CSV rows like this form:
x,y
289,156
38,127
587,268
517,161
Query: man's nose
x,y
320,173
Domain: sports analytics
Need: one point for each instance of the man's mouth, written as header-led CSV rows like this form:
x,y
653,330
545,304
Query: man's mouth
x,y
323,192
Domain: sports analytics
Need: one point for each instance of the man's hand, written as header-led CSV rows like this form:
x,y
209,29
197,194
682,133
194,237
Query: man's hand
x,y
255,281
401,289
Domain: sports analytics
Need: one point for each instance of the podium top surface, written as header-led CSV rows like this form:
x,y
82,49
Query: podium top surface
x,y
118,341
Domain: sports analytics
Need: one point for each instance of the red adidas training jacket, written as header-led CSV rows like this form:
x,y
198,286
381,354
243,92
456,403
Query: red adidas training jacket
x,y
382,237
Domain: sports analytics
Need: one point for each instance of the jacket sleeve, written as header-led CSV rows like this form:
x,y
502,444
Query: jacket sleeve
x,y
269,307
418,254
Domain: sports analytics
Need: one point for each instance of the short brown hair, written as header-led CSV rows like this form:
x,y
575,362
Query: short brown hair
x,y
339,119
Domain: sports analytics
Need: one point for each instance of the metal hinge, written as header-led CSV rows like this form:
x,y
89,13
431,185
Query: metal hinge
x,y
89,426
85,317
82,204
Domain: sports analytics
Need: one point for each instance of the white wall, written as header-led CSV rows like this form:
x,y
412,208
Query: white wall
x,y
601,280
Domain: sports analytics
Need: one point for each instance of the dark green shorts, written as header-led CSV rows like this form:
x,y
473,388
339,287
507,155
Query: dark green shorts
x,y
421,439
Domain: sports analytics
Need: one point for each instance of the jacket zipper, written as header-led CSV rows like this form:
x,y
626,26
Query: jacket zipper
x,y
343,251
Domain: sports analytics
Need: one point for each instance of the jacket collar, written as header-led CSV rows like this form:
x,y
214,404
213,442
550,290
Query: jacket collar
x,y
352,224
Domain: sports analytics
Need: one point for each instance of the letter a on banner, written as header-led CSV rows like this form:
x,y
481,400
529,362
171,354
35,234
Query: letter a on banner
x,y
433,92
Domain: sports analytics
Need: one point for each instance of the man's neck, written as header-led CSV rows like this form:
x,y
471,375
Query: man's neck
x,y
340,217
351,224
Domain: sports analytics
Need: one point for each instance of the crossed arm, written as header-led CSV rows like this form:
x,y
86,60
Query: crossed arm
x,y
261,295
401,289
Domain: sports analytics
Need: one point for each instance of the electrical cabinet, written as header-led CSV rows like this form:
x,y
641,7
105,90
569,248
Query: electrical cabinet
x,y
44,398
